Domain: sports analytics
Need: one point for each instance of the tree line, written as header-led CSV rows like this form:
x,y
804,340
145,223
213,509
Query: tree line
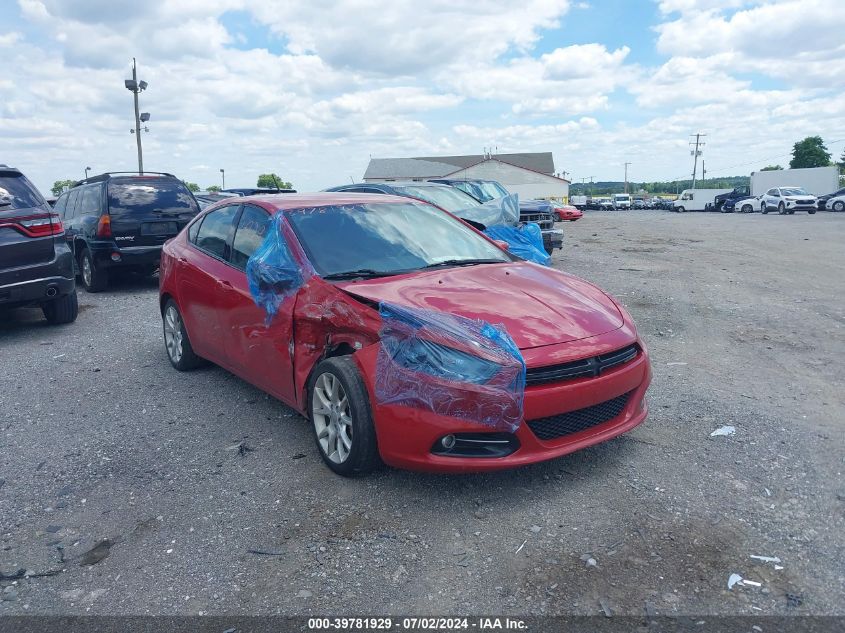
x,y
265,181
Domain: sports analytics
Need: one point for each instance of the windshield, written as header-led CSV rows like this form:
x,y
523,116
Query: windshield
x,y
494,189
444,197
144,197
793,191
16,192
473,189
386,238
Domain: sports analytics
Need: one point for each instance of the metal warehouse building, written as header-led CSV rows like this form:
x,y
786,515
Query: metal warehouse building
x,y
531,175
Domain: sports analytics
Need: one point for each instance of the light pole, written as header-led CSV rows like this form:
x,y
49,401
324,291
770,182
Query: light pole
x,y
626,177
134,86
87,169
223,176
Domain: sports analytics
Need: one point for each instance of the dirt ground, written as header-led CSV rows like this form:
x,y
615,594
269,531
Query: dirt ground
x,y
744,317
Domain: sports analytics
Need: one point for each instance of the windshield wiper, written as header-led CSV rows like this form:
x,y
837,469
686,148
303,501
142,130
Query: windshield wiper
x,y
361,273
462,262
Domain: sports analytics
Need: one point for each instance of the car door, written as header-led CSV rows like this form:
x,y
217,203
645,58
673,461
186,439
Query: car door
x,y
69,218
260,353
201,266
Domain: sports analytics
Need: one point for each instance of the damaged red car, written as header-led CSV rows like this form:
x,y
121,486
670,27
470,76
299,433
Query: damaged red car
x,y
401,333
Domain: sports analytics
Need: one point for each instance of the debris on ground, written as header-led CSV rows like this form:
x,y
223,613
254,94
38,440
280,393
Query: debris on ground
x,y
724,430
536,528
606,609
793,601
10,593
97,553
674,364
736,579
589,561
519,549
241,447
13,576
766,559
298,456
266,552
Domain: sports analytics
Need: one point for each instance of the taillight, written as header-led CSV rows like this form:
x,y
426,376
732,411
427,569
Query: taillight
x,y
104,226
38,225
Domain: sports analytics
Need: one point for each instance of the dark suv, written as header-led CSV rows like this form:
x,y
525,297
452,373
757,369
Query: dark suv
x,y
36,265
121,220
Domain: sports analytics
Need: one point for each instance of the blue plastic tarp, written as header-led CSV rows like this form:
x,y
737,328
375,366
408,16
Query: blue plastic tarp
x,y
525,241
450,365
493,212
272,271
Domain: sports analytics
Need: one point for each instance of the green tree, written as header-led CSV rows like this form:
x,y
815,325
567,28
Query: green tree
x,y
841,163
192,186
60,185
811,152
272,181
771,168
213,188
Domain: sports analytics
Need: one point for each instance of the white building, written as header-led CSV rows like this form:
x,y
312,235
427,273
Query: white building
x,y
531,175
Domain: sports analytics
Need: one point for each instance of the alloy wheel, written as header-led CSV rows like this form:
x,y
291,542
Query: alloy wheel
x,y
86,270
332,418
173,333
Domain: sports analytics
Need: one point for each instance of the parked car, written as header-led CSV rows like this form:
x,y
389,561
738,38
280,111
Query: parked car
x,y
453,200
206,198
638,204
565,212
331,272
36,265
538,211
744,205
605,204
729,199
822,200
836,204
120,220
788,200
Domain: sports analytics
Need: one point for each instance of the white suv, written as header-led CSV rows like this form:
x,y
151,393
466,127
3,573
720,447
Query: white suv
x,y
788,200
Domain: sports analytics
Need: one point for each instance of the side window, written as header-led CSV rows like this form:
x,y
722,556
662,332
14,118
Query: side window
x,y
72,199
61,203
249,235
772,192
193,230
216,230
89,201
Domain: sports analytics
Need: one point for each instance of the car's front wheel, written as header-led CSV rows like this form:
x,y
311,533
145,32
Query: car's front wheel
x,y
176,342
339,408
782,209
747,208
839,206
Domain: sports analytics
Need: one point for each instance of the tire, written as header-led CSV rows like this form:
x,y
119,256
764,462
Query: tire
x,y
93,278
558,218
177,345
839,206
811,211
679,209
791,212
747,208
344,433
781,209
764,209
62,309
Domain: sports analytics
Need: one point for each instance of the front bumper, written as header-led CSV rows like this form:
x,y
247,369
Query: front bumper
x,y
552,238
406,435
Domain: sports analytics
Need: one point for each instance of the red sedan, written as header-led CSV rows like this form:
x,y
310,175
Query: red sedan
x,y
404,335
566,212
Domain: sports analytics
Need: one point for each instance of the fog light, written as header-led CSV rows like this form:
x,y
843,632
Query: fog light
x,y
448,442
115,257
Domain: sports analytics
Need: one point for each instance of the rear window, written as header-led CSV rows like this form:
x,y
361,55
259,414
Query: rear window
x,y
16,192
148,196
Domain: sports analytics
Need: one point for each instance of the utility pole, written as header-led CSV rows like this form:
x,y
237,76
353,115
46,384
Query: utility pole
x,y
696,152
223,176
626,177
134,86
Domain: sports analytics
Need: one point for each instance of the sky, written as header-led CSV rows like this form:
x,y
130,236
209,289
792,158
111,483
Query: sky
x,y
312,90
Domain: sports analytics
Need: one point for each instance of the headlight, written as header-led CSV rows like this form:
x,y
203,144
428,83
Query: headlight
x,y
443,362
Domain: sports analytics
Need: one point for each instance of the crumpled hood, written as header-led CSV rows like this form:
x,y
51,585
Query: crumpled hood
x,y
538,305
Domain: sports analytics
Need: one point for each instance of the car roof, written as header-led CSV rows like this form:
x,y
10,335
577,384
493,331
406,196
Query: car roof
x,y
297,201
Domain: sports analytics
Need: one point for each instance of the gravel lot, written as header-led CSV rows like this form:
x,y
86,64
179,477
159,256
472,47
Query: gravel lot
x,y
743,315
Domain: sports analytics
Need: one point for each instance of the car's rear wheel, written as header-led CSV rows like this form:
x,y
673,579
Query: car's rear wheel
x,y
339,408
94,279
839,206
811,210
61,310
176,342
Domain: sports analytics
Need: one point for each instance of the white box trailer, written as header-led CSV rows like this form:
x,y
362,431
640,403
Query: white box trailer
x,y
579,202
816,181
697,199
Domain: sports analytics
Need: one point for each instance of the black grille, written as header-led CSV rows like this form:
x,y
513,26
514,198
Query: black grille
x,y
580,368
574,421
545,220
